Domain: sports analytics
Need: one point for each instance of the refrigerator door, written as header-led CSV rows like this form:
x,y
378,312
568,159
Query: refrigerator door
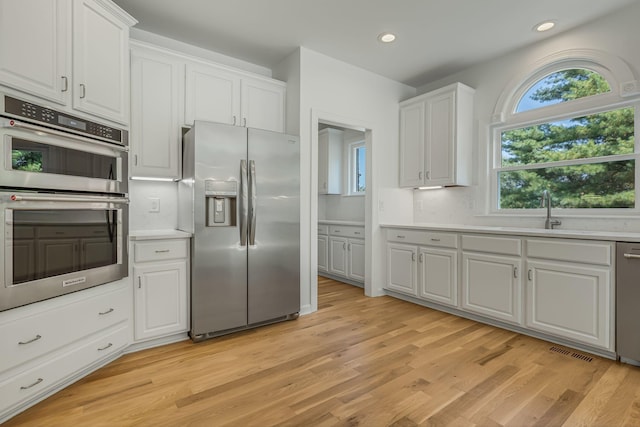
x,y
219,258
274,225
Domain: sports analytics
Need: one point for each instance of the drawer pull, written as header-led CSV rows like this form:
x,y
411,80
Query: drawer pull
x,y
162,251
515,272
413,257
27,387
433,239
102,313
356,232
105,347
336,231
36,338
632,256
400,236
530,274
421,257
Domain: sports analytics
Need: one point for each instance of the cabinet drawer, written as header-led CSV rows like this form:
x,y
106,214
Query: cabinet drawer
x,y
160,250
41,378
426,238
323,229
346,231
573,251
496,245
31,337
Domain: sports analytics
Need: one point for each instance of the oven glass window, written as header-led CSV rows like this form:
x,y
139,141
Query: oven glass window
x,y
35,157
48,243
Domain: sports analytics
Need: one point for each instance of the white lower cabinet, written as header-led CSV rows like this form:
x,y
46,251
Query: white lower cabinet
x,y
45,345
491,286
341,252
438,275
402,271
570,299
161,284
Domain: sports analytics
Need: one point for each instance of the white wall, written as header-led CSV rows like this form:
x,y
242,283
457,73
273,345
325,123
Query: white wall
x,y
617,34
339,93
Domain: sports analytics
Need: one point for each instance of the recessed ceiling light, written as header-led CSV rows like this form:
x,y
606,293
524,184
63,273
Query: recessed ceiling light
x,y
386,37
544,26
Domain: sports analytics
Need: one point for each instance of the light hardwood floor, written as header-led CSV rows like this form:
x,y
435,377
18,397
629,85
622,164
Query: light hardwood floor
x,y
357,361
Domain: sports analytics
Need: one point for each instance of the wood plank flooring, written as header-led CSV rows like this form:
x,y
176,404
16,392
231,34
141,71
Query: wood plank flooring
x,y
357,361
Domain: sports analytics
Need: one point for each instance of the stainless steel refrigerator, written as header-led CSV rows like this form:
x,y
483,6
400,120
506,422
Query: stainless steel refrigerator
x,y
240,197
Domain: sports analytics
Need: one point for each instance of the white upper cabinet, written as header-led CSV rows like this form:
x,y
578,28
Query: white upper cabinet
x,y
101,60
74,53
330,147
219,95
156,100
212,95
34,40
436,138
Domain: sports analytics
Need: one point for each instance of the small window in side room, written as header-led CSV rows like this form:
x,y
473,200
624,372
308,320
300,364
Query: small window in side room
x,y
357,168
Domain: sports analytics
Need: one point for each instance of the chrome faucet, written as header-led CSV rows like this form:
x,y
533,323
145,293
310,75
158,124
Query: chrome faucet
x,y
545,201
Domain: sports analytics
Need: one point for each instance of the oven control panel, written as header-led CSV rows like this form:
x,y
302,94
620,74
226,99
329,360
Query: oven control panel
x,y
48,117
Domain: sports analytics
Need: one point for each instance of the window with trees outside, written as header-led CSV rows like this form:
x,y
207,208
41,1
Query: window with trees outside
x,y
569,136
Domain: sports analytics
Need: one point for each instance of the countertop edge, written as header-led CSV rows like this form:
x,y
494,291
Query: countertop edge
x,y
615,236
137,235
340,222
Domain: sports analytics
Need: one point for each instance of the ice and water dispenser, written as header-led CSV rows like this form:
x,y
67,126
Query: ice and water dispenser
x,y
221,197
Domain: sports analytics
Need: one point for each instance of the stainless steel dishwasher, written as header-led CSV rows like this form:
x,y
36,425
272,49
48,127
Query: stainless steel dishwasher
x,y
628,302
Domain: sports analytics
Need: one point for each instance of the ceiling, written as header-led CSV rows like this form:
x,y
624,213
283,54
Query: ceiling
x,y
435,38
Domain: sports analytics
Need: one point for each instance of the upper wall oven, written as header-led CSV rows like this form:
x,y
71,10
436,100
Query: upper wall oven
x,y
45,149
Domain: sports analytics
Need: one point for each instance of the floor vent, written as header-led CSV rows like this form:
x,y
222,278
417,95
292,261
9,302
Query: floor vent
x,y
566,352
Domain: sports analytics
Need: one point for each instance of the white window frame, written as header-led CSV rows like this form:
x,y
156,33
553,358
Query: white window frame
x,y
352,147
624,93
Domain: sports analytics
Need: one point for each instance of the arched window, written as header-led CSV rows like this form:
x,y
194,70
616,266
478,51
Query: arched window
x,y
568,130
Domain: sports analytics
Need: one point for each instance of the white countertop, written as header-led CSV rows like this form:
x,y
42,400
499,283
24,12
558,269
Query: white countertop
x,y
537,232
158,234
340,222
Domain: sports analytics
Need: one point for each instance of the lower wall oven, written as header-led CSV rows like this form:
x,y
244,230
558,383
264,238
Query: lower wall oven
x,y
55,244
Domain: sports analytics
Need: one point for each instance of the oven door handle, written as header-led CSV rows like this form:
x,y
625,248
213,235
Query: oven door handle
x,y
38,198
11,123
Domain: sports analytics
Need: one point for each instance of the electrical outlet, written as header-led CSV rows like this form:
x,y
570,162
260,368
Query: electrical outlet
x,y
154,204
381,206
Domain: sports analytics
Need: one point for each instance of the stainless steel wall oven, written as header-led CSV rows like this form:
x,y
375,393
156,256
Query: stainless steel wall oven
x,y
63,202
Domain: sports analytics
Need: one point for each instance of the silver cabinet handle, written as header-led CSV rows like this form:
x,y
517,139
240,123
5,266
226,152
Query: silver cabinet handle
x,y
344,245
163,251
244,201
435,240
420,175
102,313
135,160
632,256
139,282
399,236
36,338
420,259
336,231
253,198
244,122
83,88
356,232
530,274
234,120
515,272
426,174
105,347
65,86
26,387
413,257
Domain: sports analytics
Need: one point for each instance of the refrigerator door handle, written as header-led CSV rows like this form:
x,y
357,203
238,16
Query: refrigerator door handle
x,y
244,202
252,202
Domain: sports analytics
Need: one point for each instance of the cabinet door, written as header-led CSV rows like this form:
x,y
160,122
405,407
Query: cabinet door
x,y
100,62
212,95
160,299
338,256
156,95
402,271
323,253
262,105
356,250
330,147
35,39
491,286
412,118
57,256
571,301
438,278
439,153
